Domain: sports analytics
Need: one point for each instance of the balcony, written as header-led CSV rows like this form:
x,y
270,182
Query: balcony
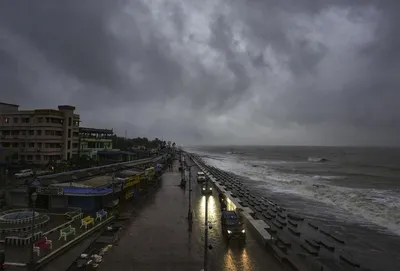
x,y
31,138
17,137
52,137
96,139
49,124
27,126
39,150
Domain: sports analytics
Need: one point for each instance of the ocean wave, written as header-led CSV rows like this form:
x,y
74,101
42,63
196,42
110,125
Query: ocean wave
x,y
380,207
320,177
317,159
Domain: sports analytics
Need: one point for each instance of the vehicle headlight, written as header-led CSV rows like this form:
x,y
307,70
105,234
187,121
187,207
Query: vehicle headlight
x,y
229,232
210,188
243,231
204,188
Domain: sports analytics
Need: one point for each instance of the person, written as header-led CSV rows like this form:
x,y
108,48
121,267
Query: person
x,y
223,205
183,183
222,201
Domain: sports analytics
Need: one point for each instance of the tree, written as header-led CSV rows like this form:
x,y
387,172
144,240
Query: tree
x,y
83,161
127,143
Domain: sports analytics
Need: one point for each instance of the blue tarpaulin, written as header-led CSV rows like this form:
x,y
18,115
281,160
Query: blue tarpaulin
x,y
159,167
79,190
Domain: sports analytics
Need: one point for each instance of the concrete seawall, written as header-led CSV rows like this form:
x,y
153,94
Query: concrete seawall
x,y
300,241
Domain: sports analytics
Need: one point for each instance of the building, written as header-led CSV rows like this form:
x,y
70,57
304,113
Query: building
x,y
134,183
39,136
115,156
90,189
93,140
90,195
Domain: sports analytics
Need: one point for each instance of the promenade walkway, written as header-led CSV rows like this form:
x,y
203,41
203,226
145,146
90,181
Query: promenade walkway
x,y
159,239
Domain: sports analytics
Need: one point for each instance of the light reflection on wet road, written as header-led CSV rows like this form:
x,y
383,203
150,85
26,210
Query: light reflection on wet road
x,y
159,239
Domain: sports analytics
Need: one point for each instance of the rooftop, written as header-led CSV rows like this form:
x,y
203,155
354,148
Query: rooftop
x,y
114,153
66,107
127,173
9,108
95,182
95,131
8,104
98,181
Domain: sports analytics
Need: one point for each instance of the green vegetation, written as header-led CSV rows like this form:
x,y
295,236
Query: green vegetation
x,y
128,143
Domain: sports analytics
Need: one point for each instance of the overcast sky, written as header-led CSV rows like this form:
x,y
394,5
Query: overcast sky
x,y
212,71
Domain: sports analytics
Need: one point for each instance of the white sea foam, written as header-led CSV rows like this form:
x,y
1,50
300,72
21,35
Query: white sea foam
x,y
380,207
319,177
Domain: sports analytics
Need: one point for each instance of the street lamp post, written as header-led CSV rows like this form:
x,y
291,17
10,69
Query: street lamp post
x,y
206,226
190,212
33,199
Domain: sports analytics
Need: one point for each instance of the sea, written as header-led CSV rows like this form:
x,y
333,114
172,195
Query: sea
x,y
357,188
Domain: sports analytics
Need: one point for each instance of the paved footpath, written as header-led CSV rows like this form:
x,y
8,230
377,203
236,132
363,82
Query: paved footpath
x,y
159,239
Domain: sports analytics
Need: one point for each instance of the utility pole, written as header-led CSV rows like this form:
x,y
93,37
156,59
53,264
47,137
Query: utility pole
x,y
113,191
33,198
113,184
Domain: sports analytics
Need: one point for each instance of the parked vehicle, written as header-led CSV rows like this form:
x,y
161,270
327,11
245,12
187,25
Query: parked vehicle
x,y
24,173
201,177
232,226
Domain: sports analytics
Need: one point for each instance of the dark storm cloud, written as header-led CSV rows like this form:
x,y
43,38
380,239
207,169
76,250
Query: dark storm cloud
x,y
102,55
368,100
75,37
71,34
9,83
222,40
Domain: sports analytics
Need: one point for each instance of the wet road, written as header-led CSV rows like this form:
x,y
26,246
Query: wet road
x,y
159,239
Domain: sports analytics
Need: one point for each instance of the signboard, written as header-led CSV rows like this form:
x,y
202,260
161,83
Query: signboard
x,y
50,191
132,181
129,195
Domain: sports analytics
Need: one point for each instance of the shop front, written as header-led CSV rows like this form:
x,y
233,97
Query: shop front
x,y
130,188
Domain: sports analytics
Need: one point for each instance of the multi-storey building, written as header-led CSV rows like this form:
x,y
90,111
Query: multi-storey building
x,y
93,140
39,136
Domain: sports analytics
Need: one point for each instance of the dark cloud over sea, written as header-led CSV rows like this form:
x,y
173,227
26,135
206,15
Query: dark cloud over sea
x,y
251,72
